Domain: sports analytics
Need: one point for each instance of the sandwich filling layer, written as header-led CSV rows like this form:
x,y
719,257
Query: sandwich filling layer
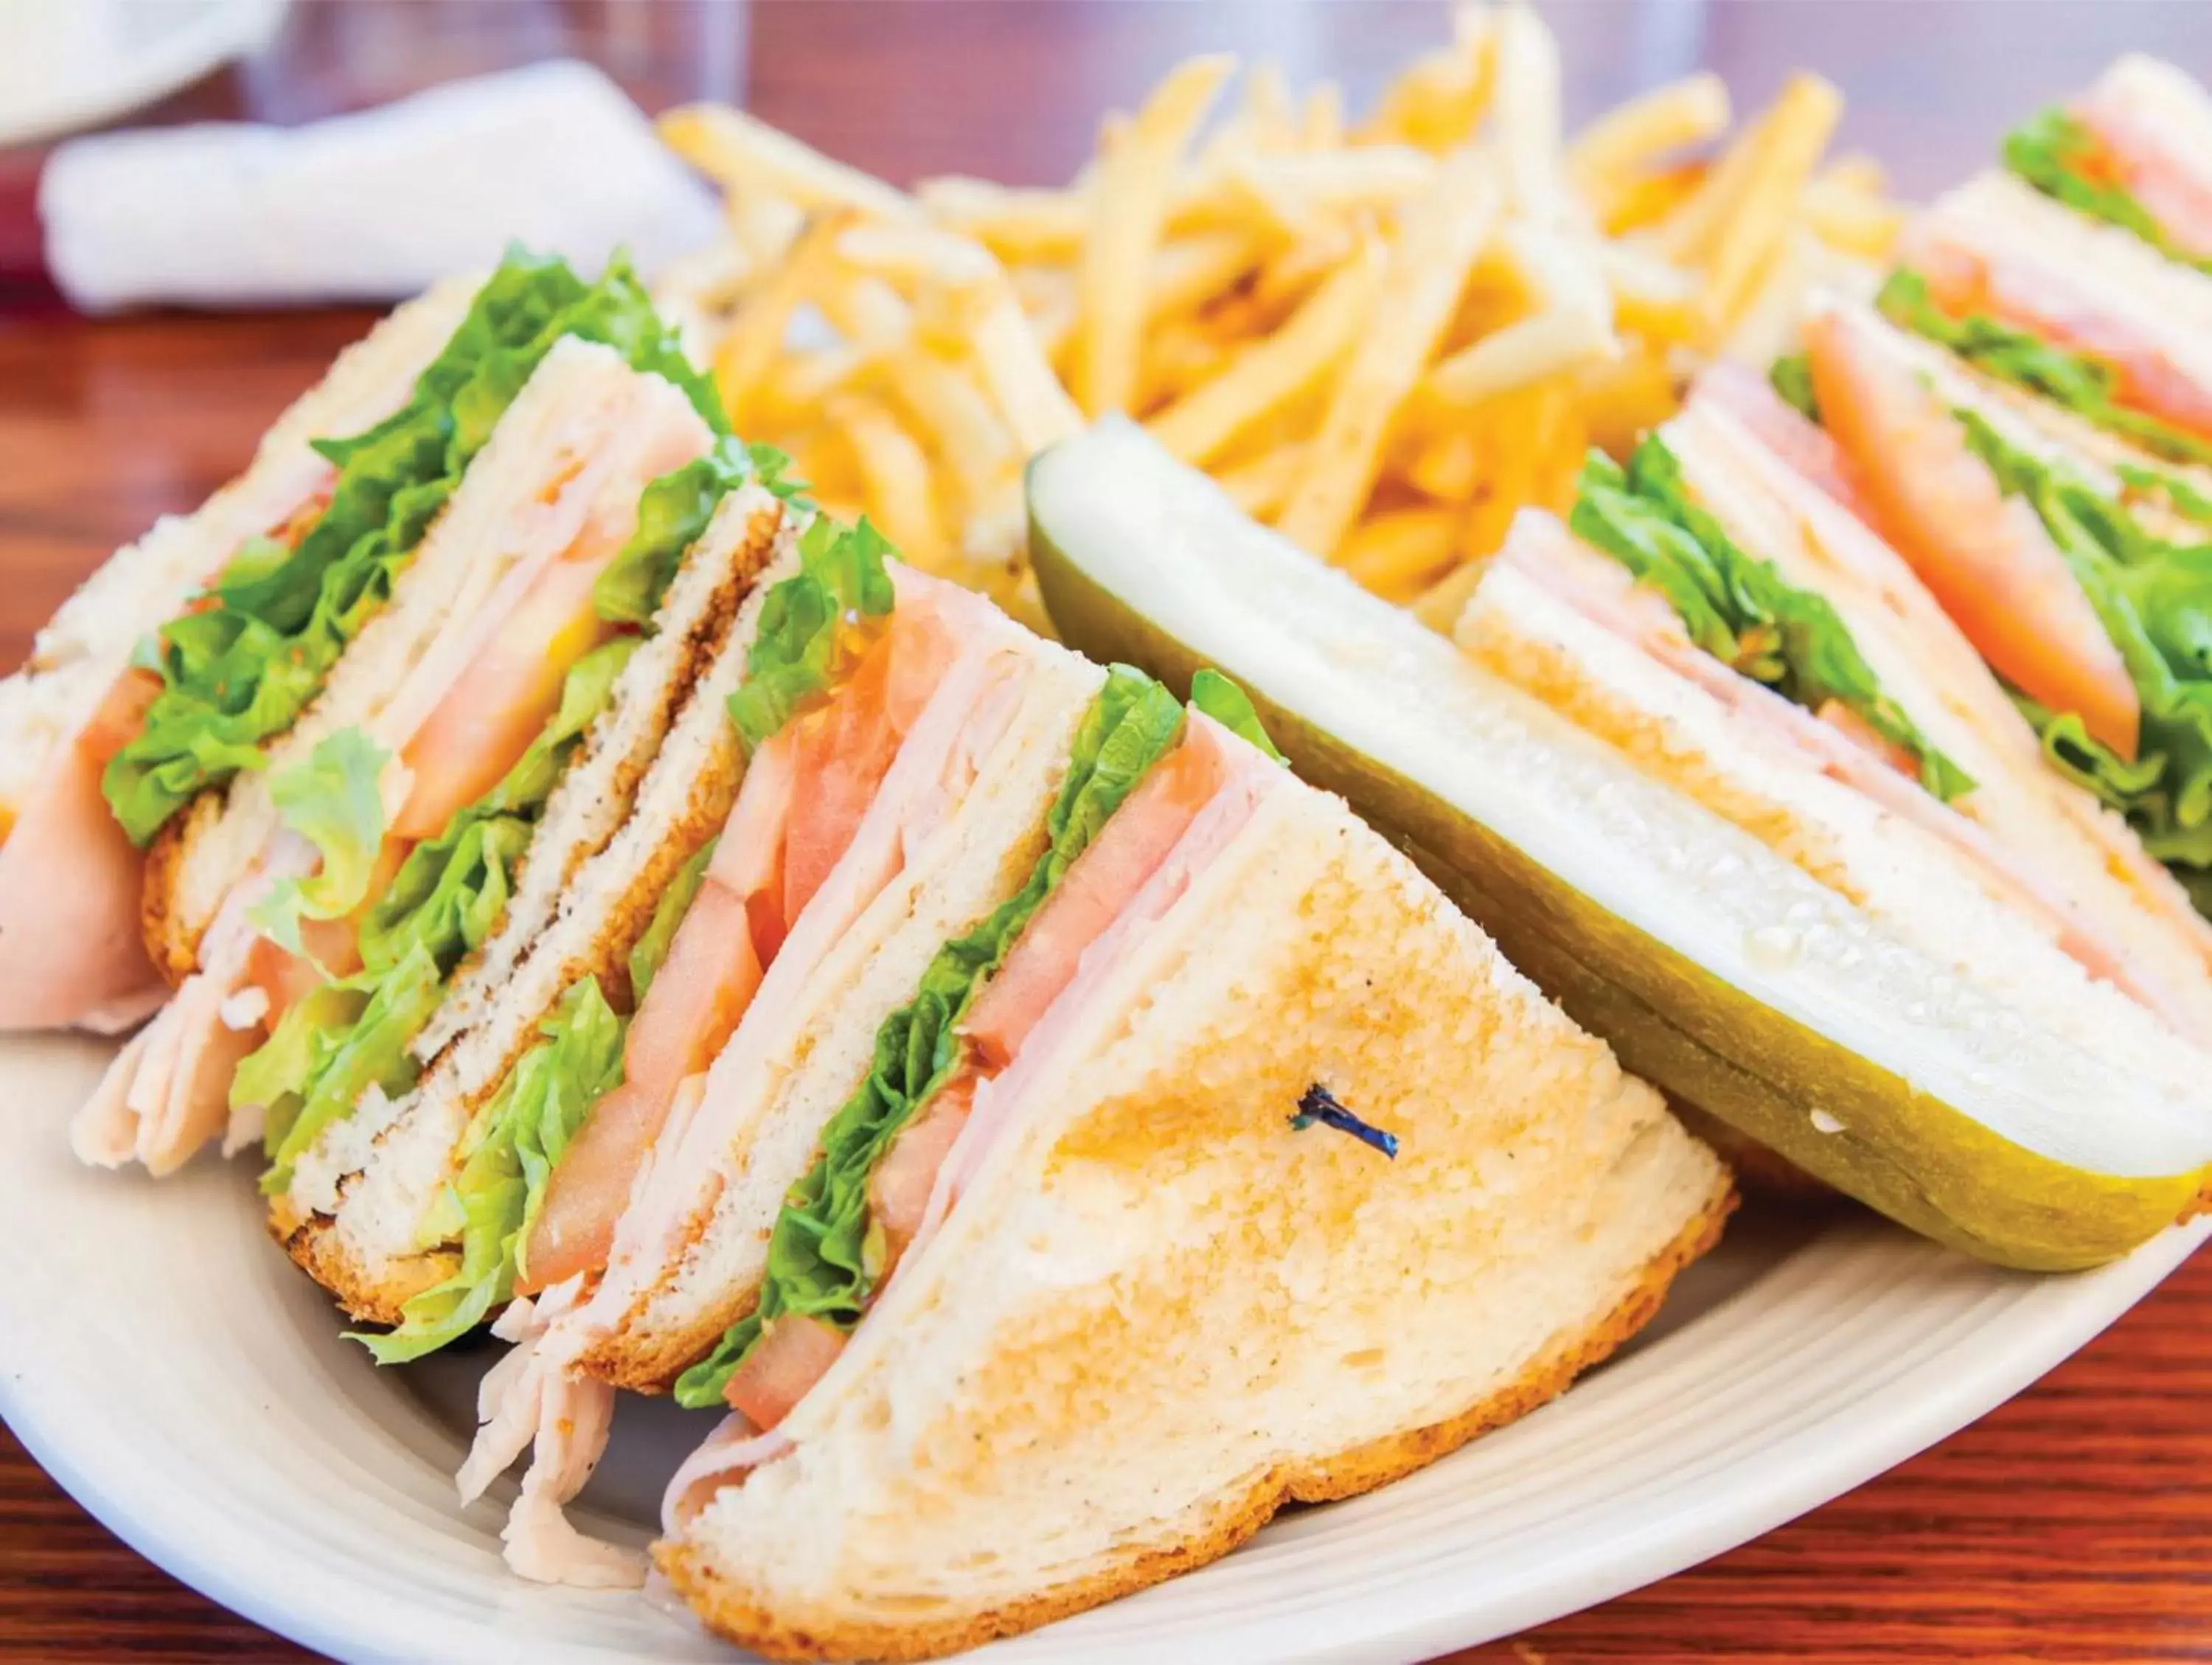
x,y
1149,797
2054,571
2122,153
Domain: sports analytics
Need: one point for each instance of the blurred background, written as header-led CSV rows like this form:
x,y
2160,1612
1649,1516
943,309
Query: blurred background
x,y
1013,87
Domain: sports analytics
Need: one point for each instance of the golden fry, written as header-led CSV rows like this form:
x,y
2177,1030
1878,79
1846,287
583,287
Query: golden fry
x,y
745,154
1628,139
1439,240
1128,209
1396,553
1276,369
1795,133
749,350
896,480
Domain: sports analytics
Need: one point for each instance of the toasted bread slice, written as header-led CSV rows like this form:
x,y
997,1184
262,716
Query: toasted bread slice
x,y
658,770
1160,1311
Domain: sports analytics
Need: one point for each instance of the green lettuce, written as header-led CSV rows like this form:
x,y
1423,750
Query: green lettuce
x,y
794,654
332,801
1792,376
2087,386
674,510
2154,599
650,952
2063,159
824,1256
238,673
1741,612
446,899
353,1035
507,1157
2169,491
1232,706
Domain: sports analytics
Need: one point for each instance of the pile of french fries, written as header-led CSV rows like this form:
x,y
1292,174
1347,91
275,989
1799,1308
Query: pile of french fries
x,y
1385,339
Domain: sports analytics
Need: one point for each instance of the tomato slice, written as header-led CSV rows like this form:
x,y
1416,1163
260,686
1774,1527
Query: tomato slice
x,y
697,999
1749,397
793,1353
1128,851
898,1190
503,701
1987,557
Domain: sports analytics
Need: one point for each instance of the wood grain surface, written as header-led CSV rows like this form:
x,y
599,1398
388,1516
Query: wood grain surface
x,y
2075,1523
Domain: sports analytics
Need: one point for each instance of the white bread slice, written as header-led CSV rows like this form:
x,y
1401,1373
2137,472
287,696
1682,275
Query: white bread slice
x,y
1924,889
658,772
1160,1313
566,441
2163,96
1924,663
88,643
703,1211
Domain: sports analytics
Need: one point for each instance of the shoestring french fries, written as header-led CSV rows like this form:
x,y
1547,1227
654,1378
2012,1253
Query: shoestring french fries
x,y
1383,336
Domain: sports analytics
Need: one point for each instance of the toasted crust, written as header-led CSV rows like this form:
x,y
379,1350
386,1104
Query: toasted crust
x,y
1221,1524
173,942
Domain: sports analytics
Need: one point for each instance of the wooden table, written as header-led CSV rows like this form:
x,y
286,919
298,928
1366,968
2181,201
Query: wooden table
x,y
2073,1523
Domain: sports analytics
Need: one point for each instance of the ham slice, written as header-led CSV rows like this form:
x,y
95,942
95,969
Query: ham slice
x,y
1783,429
70,945
1968,274
168,1093
898,1190
530,1401
2138,153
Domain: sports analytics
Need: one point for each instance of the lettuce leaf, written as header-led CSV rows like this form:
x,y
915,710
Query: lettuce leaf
x,y
343,1062
794,655
240,672
650,951
823,1259
2063,159
1792,376
1741,612
2087,386
2154,599
674,510
507,1155
332,801
446,899
1232,706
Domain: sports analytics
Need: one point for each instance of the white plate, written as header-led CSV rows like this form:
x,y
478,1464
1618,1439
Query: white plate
x,y
164,1360
72,63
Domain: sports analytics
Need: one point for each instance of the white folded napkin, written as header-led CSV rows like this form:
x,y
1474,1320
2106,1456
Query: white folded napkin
x,y
368,207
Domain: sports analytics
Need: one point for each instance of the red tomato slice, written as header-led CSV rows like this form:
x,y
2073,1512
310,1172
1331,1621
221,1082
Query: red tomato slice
x,y
695,1002
793,1353
841,755
1128,851
121,714
749,861
1987,557
499,704
898,1191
